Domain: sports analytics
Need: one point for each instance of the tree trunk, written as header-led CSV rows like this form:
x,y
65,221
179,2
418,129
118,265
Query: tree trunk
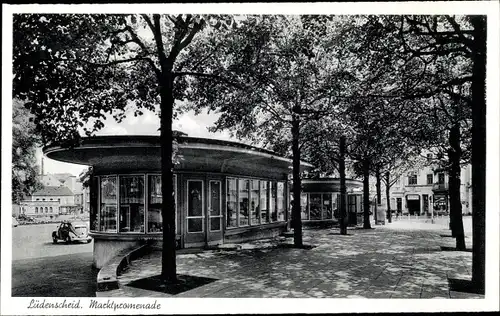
x,y
366,193
296,219
388,196
168,264
454,187
343,189
478,151
379,194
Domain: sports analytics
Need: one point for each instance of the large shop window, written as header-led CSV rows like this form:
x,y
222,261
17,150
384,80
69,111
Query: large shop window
x,y
155,220
108,207
254,202
264,197
281,201
304,213
195,206
131,204
272,204
315,206
327,206
243,202
232,200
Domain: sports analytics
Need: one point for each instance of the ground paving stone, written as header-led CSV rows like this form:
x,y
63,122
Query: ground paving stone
x,y
391,261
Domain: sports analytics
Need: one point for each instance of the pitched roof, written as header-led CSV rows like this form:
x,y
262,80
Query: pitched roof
x,y
53,191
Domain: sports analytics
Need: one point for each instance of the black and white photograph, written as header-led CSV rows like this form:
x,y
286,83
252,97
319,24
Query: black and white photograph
x,y
305,157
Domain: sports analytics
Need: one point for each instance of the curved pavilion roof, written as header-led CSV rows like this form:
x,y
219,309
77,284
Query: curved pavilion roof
x,y
142,153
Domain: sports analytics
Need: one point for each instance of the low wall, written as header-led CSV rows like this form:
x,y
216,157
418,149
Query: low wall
x,y
254,233
105,250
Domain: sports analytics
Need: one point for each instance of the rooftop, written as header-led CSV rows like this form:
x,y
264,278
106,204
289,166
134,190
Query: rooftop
x,y
53,191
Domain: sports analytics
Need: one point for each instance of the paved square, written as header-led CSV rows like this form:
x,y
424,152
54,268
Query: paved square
x,y
399,260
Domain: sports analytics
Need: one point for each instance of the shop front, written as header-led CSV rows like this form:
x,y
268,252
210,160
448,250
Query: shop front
x,y
413,204
320,200
223,191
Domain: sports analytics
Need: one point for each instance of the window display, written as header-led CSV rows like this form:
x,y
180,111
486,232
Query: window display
x,y
231,200
254,202
315,207
304,212
264,197
155,219
281,201
108,205
131,217
327,206
243,202
272,204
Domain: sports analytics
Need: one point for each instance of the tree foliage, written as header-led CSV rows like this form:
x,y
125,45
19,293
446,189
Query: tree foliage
x,y
25,142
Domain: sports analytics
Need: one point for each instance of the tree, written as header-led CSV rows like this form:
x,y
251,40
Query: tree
x,y
325,147
287,78
72,70
25,141
433,40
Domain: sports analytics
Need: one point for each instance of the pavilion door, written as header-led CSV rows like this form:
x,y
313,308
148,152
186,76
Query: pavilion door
x,y
214,214
195,231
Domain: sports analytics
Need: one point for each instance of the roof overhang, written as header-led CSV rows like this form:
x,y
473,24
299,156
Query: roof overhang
x,y
113,153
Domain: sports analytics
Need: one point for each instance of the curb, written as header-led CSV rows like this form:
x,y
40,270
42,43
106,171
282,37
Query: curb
x,y
107,278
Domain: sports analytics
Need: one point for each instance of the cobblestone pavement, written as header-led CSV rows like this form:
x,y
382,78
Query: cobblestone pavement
x,y
398,260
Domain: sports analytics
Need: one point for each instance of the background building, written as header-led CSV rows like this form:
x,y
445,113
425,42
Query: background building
x,y
424,191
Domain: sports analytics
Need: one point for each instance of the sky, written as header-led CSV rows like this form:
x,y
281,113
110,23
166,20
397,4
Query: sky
x,y
146,124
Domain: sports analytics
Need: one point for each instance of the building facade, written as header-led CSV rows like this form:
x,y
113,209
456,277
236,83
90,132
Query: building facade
x,y
424,191
49,201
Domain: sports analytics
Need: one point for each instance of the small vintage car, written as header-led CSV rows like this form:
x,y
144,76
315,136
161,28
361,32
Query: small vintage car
x,y
70,232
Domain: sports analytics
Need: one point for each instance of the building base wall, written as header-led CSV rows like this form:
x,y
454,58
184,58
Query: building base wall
x,y
105,250
253,234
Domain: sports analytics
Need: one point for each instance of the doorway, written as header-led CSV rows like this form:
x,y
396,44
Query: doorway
x,y
413,204
195,213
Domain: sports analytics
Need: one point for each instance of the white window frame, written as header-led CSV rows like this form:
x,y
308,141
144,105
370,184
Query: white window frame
x,y
202,207
210,206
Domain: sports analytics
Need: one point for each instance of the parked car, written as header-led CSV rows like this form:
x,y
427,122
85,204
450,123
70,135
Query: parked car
x,y
70,232
14,222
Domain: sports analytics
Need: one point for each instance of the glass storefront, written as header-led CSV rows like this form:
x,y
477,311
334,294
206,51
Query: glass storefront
x,y
133,204
319,206
259,202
